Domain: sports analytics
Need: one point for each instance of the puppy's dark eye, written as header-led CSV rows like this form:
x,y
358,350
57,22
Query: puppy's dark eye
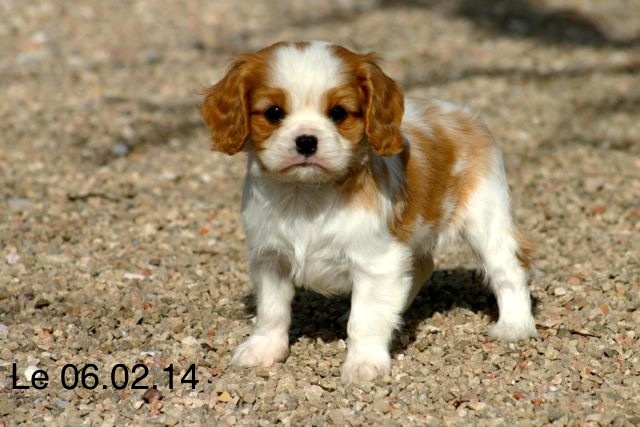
x,y
274,114
338,114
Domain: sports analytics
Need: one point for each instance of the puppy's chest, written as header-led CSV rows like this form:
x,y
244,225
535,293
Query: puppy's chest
x,y
320,250
319,262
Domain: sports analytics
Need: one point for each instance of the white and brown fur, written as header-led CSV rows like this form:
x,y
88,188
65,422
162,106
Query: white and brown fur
x,y
389,184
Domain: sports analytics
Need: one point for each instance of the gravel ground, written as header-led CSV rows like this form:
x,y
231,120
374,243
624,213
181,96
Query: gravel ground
x,y
120,240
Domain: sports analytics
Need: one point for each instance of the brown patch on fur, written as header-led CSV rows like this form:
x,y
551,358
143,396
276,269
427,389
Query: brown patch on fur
x,y
363,187
301,45
428,163
430,179
224,110
227,104
262,99
525,250
350,97
383,101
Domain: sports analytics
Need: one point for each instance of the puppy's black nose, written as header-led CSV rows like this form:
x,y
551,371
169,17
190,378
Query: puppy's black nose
x,y
306,145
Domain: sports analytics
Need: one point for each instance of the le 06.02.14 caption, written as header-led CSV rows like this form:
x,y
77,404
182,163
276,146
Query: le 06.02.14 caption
x,y
120,377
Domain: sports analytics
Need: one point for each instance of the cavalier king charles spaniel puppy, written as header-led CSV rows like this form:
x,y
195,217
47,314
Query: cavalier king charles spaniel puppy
x,y
351,187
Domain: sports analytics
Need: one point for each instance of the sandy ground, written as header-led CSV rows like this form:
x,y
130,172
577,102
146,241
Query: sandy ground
x,y
120,240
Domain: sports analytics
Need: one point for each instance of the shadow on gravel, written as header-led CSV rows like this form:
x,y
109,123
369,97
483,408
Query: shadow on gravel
x,y
147,123
316,316
527,19
439,77
524,18
446,290
596,130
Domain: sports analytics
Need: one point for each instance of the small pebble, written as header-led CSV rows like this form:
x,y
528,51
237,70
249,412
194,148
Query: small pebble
x,y
554,414
133,276
559,291
476,406
120,149
224,397
19,203
189,340
262,372
151,395
29,371
248,397
42,303
591,185
12,258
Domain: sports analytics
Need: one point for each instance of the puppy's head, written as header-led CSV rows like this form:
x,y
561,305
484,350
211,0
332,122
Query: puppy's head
x,y
310,112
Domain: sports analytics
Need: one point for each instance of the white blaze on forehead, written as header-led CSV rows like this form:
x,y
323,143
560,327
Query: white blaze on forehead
x,y
306,73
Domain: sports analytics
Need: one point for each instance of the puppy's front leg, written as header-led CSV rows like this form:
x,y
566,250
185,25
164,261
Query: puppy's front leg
x,y
269,341
380,293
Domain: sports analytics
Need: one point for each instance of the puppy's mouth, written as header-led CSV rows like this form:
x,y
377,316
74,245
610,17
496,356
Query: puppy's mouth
x,y
304,164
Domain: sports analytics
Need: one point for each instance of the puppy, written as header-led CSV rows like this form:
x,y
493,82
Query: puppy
x,y
350,187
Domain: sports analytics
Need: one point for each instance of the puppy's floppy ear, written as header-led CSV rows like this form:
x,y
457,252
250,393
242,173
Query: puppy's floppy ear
x,y
384,107
226,108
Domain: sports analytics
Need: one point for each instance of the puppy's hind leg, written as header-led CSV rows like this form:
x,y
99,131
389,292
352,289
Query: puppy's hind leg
x,y
422,270
491,234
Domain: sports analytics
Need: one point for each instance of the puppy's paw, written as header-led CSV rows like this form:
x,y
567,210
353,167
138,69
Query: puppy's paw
x,y
514,329
261,350
365,364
